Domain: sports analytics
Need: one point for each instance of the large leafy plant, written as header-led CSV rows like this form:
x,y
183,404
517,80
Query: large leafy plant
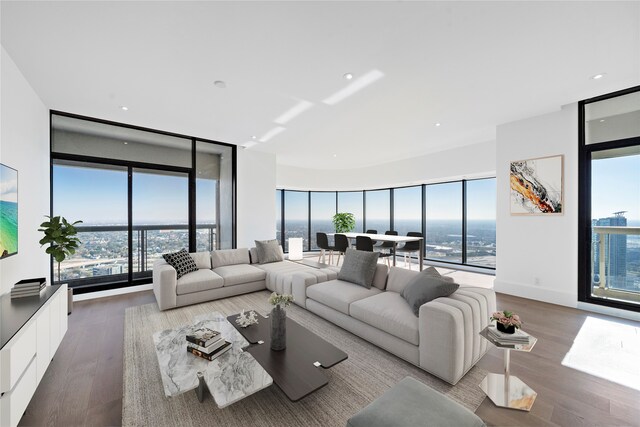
x,y
60,235
344,222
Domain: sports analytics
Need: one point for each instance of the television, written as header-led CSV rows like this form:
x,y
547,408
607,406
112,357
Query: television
x,y
8,211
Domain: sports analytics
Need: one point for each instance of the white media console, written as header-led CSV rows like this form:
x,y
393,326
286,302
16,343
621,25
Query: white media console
x,y
31,330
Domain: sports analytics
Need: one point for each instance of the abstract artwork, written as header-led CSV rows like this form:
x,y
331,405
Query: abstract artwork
x,y
8,211
536,186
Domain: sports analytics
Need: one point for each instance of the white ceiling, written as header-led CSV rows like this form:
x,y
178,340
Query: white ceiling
x,y
467,65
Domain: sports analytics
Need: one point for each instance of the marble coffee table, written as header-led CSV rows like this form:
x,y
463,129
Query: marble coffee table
x,y
229,378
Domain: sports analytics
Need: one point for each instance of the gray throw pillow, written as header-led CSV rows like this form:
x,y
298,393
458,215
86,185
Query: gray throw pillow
x,y
268,251
359,267
426,287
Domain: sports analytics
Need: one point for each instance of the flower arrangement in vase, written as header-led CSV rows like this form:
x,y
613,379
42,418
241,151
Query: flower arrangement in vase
x,y
506,321
279,320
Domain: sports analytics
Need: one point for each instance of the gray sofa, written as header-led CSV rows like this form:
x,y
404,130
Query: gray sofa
x,y
225,273
443,340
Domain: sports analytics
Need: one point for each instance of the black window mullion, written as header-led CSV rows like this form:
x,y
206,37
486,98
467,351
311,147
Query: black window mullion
x,y
391,218
424,219
130,220
364,211
193,201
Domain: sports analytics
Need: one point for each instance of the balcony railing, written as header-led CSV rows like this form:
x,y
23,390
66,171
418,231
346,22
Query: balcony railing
x,y
613,275
103,255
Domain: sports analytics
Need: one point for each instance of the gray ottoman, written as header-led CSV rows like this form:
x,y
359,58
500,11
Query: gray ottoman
x,y
412,404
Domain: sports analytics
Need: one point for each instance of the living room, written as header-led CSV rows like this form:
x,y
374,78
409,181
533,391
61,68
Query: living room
x,y
504,136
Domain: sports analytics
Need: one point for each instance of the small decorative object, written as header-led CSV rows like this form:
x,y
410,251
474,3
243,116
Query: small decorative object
x,y
506,321
295,248
344,222
247,319
536,186
279,320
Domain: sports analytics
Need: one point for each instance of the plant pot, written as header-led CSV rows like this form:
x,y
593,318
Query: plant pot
x,y
506,329
278,328
69,301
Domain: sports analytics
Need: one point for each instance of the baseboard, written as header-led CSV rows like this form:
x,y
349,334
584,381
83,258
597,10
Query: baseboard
x,y
537,293
112,292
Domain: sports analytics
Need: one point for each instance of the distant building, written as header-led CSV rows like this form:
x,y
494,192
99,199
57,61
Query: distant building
x,y
616,264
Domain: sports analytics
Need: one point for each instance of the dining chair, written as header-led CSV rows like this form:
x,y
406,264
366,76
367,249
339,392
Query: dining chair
x,y
410,247
323,243
374,242
340,245
386,248
364,243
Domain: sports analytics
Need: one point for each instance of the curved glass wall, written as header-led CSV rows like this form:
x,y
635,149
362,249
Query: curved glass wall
x,y
458,218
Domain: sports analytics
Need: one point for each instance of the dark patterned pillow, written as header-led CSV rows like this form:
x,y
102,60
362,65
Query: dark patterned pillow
x,y
181,261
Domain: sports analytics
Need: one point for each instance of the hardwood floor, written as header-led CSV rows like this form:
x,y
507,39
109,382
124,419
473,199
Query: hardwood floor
x,y
83,385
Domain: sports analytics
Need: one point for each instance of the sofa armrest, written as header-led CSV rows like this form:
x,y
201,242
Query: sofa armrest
x,y
164,284
449,328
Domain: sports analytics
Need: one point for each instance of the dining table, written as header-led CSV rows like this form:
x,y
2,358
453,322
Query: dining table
x,y
389,238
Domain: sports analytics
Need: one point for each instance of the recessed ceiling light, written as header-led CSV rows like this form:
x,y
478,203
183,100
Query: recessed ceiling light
x,y
123,108
598,76
348,76
220,84
602,120
437,124
125,143
254,137
335,155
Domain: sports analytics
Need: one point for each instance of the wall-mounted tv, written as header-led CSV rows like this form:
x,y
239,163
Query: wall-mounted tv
x,y
8,211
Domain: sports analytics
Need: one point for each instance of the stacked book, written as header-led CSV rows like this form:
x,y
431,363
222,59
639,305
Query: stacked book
x,y
518,337
207,343
28,288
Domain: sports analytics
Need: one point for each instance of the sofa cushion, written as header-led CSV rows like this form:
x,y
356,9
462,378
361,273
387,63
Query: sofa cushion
x,y
426,287
389,312
359,267
399,277
199,280
339,294
380,276
224,257
268,251
181,261
253,254
202,259
239,273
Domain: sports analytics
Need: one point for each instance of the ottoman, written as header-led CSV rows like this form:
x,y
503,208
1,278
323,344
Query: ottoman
x,y
412,404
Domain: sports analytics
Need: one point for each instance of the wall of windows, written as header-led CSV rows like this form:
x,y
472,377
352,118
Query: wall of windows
x,y
139,194
459,218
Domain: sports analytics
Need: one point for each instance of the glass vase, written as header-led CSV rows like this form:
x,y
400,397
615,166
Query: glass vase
x,y
278,328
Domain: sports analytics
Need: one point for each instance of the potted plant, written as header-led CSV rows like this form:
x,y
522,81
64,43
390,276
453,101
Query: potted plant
x,y
60,235
506,321
279,320
344,222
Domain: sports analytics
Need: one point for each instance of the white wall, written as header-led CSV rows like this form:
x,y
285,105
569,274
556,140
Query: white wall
x,y
24,145
537,255
256,197
473,161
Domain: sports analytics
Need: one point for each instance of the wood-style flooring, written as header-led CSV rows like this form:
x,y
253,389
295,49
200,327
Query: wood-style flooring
x,y
83,385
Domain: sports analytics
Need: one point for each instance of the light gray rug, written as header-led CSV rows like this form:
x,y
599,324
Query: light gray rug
x,y
354,383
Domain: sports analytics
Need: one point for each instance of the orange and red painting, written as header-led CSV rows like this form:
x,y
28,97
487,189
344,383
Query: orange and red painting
x,y
536,186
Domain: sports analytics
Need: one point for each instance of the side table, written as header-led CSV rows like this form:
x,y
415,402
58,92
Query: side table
x,y
506,390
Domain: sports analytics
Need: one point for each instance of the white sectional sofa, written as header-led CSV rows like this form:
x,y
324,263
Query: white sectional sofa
x,y
225,273
443,340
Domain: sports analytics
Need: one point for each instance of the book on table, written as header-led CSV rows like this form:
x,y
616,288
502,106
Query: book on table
x,y
210,356
518,337
210,349
204,337
33,289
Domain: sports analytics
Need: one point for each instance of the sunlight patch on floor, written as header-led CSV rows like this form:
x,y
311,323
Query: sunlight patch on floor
x,y
607,349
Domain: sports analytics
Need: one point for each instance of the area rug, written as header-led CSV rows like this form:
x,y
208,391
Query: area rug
x,y
607,349
353,384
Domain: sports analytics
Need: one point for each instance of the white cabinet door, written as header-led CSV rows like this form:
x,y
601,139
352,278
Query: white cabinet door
x,y
16,355
54,324
43,348
63,311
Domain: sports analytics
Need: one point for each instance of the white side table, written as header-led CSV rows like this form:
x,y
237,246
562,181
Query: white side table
x,y
506,390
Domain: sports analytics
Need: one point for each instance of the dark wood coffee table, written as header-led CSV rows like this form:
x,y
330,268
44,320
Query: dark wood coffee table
x,y
296,369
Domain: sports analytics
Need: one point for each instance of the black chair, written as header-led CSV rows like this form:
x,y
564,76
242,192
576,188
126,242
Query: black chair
x,y
410,247
364,243
340,245
386,248
373,232
323,243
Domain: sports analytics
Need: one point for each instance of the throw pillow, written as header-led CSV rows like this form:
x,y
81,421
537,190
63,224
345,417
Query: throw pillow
x,y
268,251
359,267
181,261
426,287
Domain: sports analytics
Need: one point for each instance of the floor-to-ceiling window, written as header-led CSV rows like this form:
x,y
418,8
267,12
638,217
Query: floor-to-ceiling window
x,y
609,220
407,209
444,222
296,217
323,208
279,216
378,210
353,202
140,194
481,222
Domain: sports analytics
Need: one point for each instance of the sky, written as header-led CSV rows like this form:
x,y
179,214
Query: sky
x,y
615,186
8,184
99,196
